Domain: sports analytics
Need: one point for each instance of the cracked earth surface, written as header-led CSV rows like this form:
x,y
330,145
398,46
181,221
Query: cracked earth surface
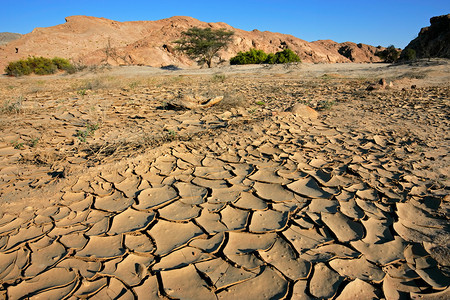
x,y
228,203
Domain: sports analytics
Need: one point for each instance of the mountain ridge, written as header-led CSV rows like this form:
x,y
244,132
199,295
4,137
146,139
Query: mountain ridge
x,y
86,40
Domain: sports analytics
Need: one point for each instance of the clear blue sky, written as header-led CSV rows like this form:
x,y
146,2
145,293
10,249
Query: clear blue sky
x,y
379,22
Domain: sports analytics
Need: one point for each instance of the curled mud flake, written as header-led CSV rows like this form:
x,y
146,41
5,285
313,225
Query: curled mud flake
x,y
95,248
269,284
249,201
283,257
26,234
359,289
308,187
116,202
210,221
89,288
222,274
181,258
130,220
384,253
129,186
148,289
190,191
74,241
300,290
268,176
273,192
74,217
212,173
351,209
51,279
212,184
44,258
328,252
234,218
323,206
186,283
243,242
139,243
82,205
377,231
73,197
343,227
268,221
169,236
227,195
132,269
114,290
358,268
179,211
209,245
153,198
324,282
303,239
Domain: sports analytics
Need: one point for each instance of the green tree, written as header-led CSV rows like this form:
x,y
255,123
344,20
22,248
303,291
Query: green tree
x,y
203,44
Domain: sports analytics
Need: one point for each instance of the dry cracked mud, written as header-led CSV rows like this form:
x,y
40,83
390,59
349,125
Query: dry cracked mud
x,y
107,193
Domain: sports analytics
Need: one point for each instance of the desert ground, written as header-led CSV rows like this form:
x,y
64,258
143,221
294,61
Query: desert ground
x,y
111,188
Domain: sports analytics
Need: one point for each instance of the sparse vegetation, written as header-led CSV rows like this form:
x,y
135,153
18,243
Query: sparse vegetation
x,y
218,78
390,54
11,107
325,104
203,44
39,66
33,142
82,135
408,54
254,56
17,145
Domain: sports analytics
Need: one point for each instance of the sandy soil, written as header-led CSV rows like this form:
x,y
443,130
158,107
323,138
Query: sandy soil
x,y
106,191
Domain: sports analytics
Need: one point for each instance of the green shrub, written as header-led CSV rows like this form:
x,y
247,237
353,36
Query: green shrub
x,y
390,54
42,65
63,64
286,56
408,54
39,66
254,56
270,59
18,68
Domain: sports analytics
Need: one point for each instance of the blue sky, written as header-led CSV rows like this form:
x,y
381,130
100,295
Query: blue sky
x,y
379,22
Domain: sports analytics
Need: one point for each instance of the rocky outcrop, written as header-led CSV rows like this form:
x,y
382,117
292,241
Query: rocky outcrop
x,y
433,41
91,40
6,37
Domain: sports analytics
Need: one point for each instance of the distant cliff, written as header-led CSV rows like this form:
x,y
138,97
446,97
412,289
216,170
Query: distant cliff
x,y
433,41
6,37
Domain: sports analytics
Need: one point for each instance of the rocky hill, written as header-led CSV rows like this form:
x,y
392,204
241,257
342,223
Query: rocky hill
x,y
91,40
433,41
6,37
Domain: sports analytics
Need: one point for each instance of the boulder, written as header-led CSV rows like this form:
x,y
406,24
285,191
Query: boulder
x,y
303,111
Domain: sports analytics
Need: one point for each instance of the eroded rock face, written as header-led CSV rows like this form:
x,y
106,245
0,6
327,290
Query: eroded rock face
x,y
433,41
